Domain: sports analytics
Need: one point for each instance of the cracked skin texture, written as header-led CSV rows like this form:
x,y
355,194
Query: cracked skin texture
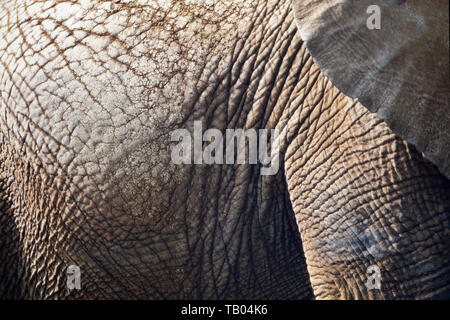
x,y
89,95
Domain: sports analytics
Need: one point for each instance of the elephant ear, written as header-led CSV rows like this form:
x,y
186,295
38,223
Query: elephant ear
x,y
400,71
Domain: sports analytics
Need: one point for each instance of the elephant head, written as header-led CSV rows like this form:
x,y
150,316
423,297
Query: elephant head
x,y
392,56
93,204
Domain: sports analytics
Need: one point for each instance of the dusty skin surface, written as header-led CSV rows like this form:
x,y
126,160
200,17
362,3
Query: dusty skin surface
x,y
400,71
89,95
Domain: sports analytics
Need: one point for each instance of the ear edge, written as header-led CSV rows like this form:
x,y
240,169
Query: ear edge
x,y
421,117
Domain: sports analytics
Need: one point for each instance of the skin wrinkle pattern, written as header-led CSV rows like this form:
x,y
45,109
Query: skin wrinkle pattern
x,y
91,92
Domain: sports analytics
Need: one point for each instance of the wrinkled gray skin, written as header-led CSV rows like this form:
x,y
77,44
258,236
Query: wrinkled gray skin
x,y
89,96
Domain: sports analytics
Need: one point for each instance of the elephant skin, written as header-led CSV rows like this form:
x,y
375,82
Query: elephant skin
x,y
90,94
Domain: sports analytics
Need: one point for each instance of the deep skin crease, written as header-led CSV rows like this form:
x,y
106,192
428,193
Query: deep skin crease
x,y
89,96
